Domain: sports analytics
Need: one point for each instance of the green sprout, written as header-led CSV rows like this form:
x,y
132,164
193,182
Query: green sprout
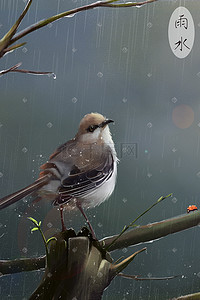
x,y
46,242
126,227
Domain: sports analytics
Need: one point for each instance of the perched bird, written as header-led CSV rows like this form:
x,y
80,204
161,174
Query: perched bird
x,y
80,173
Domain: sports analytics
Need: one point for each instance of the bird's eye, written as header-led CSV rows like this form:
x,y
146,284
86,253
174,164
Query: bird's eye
x,y
91,128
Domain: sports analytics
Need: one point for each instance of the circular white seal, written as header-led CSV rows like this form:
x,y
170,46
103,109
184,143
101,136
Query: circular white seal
x,y
181,32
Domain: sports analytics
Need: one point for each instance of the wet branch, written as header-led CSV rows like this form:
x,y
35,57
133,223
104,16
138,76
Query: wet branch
x,y
135,236
11,37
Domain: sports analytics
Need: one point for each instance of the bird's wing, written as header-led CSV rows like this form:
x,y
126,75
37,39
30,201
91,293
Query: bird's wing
x,y
80,183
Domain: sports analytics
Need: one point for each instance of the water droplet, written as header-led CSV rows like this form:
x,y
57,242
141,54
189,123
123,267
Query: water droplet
x,y
24,250
100,225
198,274
100,75
49,125
49,274
149,24
149,175
124,50
24,149
24,49
174,150
124,200
50,25
99,274
24,100
74,50
124,100
49,225
52,75
174,100
124,250
198,174
149,75
149,125
1,175
70,16
74,99
1,125
174,200
174,250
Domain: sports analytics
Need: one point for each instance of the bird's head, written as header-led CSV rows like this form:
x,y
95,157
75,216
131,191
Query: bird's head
x,y
93,127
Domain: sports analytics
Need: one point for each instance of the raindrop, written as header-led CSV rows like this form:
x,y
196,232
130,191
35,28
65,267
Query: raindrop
x,y
24,100
174,200
124,200
198,74
199,124
100,225
1,125
70,16
198,274
124,100
52,75
49,125
24,250
74,50
149,275
174,150
174,100
124,50
50,25
174,250
24,149
74,249
149,24
74,99
24,49
149,175
100,75
49,274
99,274
1,175
149,125
149,75
124,250
99,24
198,174
49,225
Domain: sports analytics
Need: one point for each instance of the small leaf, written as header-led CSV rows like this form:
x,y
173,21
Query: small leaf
x,y
34,229
34,221
51,239
39,223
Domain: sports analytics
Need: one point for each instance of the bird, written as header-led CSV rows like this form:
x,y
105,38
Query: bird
x,y
81,173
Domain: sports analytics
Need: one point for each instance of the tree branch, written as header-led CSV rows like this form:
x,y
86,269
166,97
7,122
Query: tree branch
x,y
153,231
135,236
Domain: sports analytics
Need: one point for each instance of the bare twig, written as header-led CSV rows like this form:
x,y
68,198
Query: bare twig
x,y
152,231
52,19
136,277
15,69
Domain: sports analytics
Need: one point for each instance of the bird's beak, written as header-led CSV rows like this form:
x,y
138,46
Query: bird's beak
x,y
105,122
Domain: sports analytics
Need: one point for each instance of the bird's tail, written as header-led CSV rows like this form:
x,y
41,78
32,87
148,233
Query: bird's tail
x,y
12,198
